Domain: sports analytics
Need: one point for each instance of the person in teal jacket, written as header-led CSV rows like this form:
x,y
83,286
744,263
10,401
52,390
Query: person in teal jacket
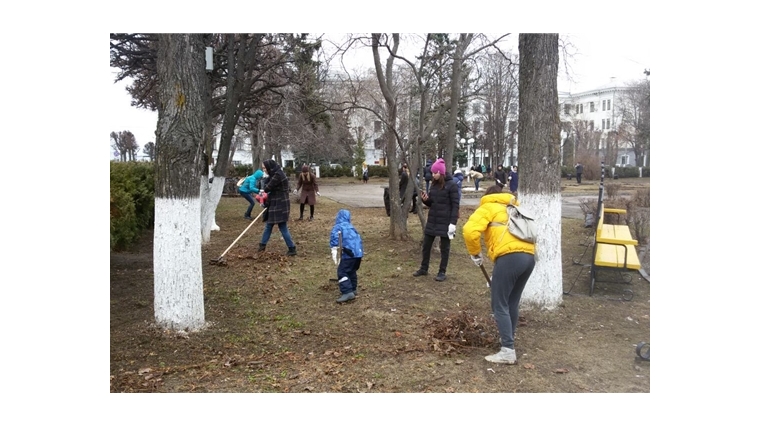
x,y
251,186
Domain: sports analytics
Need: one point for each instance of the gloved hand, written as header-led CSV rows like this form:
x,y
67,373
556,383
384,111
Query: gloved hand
x,y
318,193
261,191
477,259
488,283
334,255
452,231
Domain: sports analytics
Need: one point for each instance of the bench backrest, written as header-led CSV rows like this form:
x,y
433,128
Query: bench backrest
x,y
600,204
600,221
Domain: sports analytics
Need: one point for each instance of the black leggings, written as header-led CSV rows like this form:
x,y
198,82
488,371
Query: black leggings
x,y
311,210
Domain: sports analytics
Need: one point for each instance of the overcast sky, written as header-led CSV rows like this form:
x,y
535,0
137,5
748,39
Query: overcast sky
x,y
594,59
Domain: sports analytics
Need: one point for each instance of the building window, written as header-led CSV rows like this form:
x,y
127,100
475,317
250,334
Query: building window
x,y
567,109
581,108
604,105
476,127
624,160
591,107
609,104
378,126
591,125
577,108
608,123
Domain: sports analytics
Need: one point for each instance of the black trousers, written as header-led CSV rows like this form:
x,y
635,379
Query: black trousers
x,y
427,245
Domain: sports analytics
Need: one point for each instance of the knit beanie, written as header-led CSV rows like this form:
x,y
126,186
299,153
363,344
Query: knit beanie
x,y
438,167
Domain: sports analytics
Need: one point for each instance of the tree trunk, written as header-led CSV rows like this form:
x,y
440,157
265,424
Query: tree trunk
x,y
177,270
398,229
539,190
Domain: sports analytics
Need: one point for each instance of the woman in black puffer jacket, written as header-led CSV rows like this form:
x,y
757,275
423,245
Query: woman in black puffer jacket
x,y
443,201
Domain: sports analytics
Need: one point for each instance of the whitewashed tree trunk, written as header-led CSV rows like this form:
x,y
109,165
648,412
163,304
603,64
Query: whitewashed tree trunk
x,y
211,194
539,164
177,271
178,275
544,288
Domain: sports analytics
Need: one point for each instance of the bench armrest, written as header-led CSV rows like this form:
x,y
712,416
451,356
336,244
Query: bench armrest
x,y
617,241
614,210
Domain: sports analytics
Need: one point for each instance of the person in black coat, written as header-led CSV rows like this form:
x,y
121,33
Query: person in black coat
x,y
501,176
443,201
428,175
278,203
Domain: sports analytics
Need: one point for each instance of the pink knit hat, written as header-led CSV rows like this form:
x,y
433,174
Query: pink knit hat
x,y
438,167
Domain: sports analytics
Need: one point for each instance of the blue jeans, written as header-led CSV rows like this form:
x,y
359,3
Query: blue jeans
x,y
347,279
283,229
247,196
477,183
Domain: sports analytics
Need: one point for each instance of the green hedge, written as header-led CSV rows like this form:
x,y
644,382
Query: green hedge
x,y
132,201
379,171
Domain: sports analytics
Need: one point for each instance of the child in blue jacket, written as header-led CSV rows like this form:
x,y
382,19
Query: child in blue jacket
x,y
250,186
345,238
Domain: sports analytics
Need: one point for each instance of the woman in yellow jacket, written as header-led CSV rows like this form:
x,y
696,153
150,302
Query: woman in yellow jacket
x,y
513,264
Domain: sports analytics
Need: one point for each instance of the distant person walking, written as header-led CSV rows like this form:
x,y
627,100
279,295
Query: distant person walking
x,y
307,183
578,172
365,173
279,205
443,201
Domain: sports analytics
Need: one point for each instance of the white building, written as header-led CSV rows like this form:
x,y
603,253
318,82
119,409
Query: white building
x,y
599,109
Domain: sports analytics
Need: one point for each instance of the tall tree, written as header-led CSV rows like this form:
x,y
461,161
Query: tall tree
x,y
177,270
539,143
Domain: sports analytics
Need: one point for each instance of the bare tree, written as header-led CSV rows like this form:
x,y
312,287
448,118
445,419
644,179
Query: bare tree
x,y
150,150
501,99
126,144
633,128
177,271
539,130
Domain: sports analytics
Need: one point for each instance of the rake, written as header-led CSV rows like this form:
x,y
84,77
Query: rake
x,y
221,260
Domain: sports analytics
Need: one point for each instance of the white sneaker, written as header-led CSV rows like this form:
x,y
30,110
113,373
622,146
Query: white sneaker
x,y
506,355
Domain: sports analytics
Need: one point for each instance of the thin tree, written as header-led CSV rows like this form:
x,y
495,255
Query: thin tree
x,y
177,270
539,130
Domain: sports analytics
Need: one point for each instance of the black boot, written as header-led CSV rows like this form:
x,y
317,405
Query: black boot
x,y
292,251
262,246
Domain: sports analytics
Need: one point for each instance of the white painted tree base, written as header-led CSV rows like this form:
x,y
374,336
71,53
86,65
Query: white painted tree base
x,y
544,288
177,265
210,196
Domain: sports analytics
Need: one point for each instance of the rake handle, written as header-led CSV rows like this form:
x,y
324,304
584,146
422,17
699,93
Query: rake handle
x,y
241,234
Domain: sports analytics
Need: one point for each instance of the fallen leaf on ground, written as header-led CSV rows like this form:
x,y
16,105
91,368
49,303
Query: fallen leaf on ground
x,y
529,366
561,371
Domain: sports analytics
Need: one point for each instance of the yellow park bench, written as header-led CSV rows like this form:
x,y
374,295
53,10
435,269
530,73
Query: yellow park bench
x,y
614,247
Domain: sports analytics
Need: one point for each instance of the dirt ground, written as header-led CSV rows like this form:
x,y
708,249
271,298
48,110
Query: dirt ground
x,y
274,326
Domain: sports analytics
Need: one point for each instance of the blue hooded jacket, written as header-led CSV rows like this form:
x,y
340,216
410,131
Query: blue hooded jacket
x,y
458,178
249,185
352,242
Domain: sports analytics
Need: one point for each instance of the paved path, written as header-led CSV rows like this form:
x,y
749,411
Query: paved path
x,y
371,196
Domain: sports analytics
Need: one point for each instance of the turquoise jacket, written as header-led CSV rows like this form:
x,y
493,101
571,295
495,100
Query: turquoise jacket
x,y
249,185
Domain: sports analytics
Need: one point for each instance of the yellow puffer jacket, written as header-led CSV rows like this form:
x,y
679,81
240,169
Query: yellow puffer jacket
x,y
498,242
